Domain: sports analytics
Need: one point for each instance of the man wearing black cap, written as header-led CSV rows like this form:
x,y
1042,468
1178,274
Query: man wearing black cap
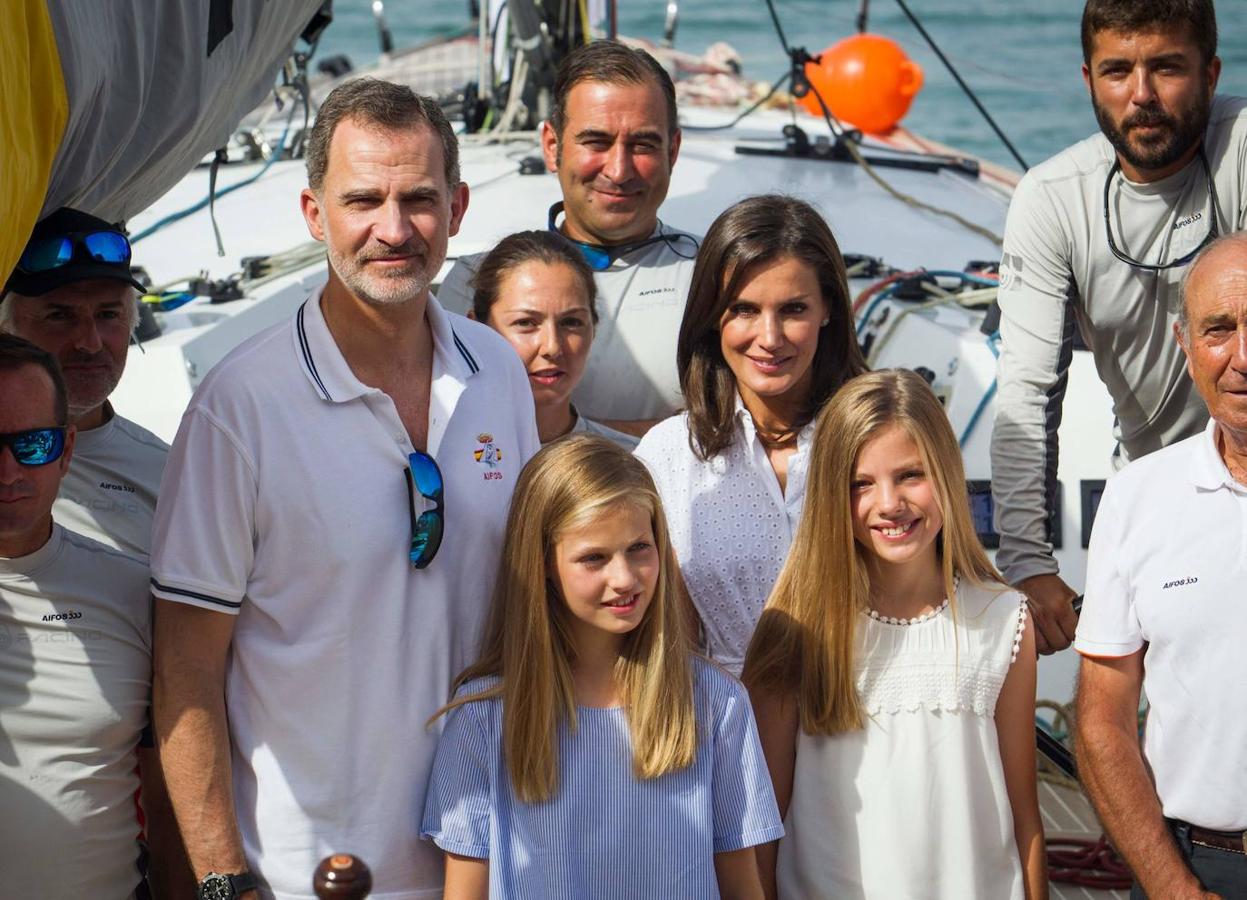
x,y
72,294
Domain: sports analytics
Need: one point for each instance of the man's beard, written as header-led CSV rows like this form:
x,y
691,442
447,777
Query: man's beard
x,y
1179,134
86,393
379,290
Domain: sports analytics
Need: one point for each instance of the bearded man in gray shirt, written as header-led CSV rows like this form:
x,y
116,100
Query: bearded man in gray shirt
x,y
1098,238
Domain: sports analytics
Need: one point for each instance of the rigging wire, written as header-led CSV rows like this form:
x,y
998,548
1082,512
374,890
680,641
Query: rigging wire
x,y
841,134
908,199
779,83
961,82
196,207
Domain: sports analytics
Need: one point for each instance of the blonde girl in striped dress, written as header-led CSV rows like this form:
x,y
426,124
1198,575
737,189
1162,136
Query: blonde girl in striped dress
x,y
590,753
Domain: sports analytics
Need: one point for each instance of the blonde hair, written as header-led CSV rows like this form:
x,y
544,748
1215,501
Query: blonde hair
x,y
804,642
528,640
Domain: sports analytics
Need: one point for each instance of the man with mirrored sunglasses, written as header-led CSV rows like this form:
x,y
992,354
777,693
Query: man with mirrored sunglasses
x,y
329,529
1097,241
75,669
612,139
73,294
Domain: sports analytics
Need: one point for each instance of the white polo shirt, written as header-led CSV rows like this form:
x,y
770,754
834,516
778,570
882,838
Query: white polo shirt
x,y
75,687
285,503
1167,571
631,373
109,492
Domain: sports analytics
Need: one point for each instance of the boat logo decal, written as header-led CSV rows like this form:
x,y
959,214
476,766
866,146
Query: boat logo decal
x,y
1180,582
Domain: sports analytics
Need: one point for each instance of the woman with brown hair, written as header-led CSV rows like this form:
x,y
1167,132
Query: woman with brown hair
x,y
535,289
767,338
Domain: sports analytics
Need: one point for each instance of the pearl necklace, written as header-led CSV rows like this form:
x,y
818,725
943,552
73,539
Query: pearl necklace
x,y
917,620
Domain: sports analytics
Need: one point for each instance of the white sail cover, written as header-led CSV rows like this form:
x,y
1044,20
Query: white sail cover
x,y
154,86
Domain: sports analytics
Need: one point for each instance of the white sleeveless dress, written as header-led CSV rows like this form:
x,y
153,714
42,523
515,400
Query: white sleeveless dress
x,y
913,806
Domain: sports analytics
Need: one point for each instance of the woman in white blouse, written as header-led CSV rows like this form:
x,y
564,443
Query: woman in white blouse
x,y
767,338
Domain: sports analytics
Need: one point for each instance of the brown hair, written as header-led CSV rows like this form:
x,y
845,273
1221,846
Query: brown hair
x,y
1131,16
804,643
527,246
528,643
16,352
609,62
381,104
754,231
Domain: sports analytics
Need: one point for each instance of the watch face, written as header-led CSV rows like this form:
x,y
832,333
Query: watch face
x,y
216,887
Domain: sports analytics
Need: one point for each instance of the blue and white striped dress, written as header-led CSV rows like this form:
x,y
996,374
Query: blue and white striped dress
x,y
605,834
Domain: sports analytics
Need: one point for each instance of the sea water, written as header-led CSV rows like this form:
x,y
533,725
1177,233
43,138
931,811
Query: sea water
x,y
1022,57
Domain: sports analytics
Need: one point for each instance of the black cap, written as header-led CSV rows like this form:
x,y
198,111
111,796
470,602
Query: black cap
x,y
80,267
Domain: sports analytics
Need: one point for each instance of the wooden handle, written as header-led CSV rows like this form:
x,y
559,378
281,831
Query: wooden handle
x,y
342,877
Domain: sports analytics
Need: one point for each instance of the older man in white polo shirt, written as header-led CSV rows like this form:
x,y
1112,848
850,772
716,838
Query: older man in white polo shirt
x,y
329,527
1166,612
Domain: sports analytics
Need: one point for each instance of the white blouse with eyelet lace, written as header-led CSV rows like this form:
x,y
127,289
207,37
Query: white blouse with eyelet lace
x,y
914,804
730,524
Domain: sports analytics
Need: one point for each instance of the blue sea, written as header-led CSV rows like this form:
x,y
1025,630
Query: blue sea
x,y
1022,57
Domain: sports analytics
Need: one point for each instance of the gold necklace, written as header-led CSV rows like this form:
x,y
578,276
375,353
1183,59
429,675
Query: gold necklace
x,y
775,439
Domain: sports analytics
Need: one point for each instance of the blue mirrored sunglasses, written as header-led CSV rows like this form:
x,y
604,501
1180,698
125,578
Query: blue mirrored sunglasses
x,y
36,447
49,253
425,477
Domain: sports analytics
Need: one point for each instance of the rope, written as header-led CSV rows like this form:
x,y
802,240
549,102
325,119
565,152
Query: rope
x,y
839,132
909,199
780,82
1087,863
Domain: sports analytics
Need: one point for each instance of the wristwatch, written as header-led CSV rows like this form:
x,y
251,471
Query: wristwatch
x,y
226,887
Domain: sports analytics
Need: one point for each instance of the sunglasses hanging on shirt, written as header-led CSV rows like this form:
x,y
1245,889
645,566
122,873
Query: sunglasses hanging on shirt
x,y
1213,231
424,477
600,257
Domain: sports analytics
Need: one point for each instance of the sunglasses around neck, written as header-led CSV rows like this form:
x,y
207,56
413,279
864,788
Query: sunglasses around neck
x,y
35,447
601,257
1213,231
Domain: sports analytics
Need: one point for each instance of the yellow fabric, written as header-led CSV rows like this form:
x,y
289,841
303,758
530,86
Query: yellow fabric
x,y
33,112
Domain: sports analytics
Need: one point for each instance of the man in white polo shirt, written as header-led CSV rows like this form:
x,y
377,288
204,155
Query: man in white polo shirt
x,y
72,294
613,139
1165,612
329,528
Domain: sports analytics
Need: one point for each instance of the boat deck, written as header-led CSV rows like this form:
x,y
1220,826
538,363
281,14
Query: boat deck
x,y
1067,814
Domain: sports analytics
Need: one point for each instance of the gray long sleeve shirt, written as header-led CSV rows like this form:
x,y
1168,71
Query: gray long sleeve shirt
x,y
1057,269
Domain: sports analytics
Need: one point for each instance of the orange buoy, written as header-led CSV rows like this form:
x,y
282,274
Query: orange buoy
x,y
866,80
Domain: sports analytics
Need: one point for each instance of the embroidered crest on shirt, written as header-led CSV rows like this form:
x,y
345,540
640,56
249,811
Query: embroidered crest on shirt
x,y
488,455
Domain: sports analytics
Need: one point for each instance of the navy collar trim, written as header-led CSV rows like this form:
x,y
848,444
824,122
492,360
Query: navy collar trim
x,y
464,352
306,349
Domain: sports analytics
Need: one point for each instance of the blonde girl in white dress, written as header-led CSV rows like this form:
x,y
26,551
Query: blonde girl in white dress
x,y
893,675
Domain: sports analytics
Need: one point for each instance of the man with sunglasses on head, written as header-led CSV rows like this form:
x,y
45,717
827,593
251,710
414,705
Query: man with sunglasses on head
x,y
1097,240
73,295
75,666
329,529
612,138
